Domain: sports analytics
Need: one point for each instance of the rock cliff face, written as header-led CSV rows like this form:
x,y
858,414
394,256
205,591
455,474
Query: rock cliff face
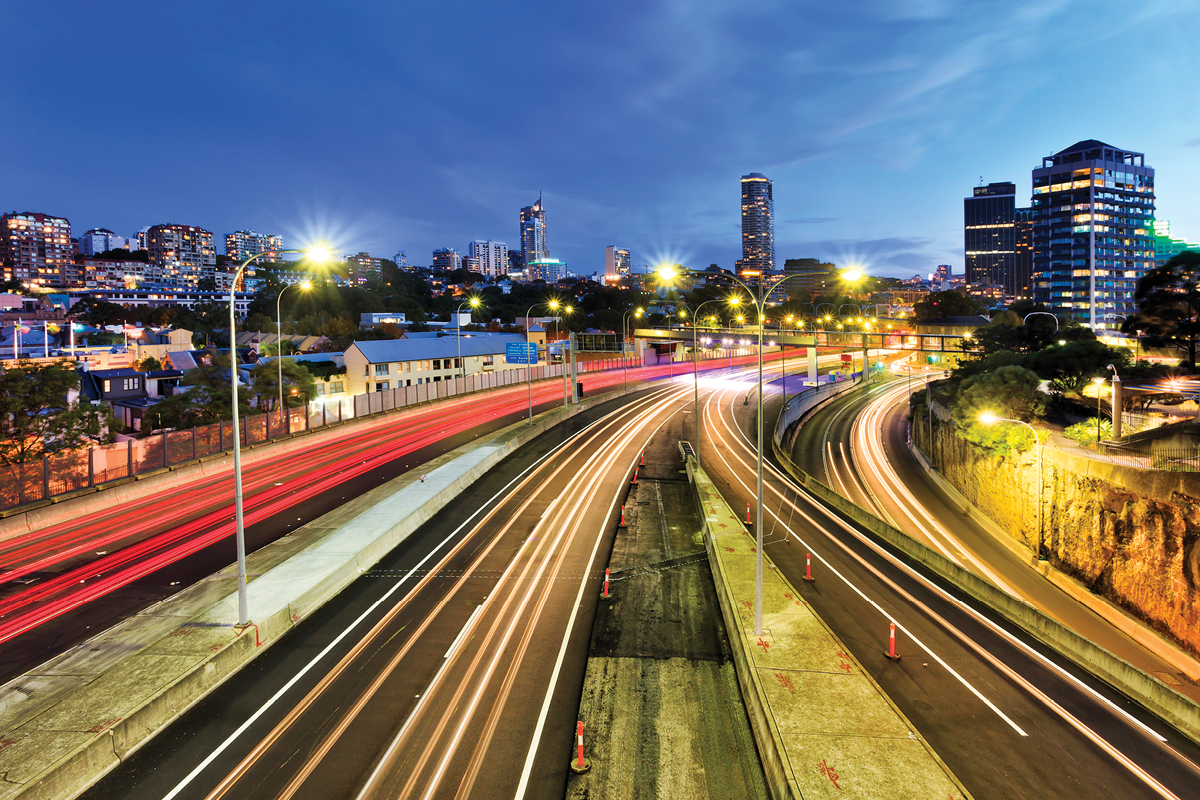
x,y
1131,535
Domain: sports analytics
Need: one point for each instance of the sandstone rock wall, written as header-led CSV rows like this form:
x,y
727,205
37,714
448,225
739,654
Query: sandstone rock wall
x,y
1131,535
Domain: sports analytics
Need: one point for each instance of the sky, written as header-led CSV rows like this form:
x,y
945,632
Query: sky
x,y
388,126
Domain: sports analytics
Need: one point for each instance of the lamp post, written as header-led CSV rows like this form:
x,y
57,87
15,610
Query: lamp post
x,y
320,255
1099,381
305,285
553,306
566,379
473,303
637,312
989,419
696,372
1043,313
759,305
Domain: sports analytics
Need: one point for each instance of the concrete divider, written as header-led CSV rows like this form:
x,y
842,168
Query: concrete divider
x,y
1140,686
66,724
822,724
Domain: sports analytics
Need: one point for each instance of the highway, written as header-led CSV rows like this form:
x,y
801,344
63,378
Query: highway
x,y
1009,717
61,583
873,466
454,667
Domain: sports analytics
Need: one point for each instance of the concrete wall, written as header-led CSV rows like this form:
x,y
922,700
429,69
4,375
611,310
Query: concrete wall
x,y
1130,535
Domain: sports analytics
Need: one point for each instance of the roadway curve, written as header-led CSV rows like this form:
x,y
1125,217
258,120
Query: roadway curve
x,y
1010,717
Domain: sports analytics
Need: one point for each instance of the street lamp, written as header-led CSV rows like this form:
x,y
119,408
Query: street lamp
x,y
637,312
760,307
566,379
989,419
1043,313
473,303
1099,381
696,372
553,306
305,285
320,255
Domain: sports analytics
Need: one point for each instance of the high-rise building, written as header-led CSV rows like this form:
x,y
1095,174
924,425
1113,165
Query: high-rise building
x,y
142,238
1166,247
97,240
446,259
942,272
516,261
533,233
758,226
1024,285
35,249
1092,238
492,257
546,269
362,268
241,245
183,253
616,262
401,261
990,242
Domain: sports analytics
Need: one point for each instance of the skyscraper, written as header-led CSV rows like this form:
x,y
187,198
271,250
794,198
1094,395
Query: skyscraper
x,y
35,249
758,226
616,262
533,233
1092,239
241,245
990,237
183,253
492,256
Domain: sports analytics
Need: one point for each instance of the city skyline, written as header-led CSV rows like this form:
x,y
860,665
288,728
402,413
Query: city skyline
x,y
903,106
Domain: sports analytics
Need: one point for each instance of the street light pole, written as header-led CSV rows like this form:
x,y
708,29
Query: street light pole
x,y
317,254
624,336
553,306
473,303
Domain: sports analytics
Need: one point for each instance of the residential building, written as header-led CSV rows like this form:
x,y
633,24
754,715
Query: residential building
x,y
446,259
142,238
533,233
811,275
1092,238
401,260
184,254
97,240
150,297
241,245
942,272
35,248
377,366
102,274
616,263
492,257
547,269
1165,247
373,319
990,238
362,268
758,226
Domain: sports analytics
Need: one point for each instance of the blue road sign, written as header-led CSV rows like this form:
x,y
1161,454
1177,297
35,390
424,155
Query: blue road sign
x,y
521,353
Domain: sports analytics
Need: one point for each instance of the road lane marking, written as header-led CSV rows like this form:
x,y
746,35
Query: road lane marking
x,y
461,634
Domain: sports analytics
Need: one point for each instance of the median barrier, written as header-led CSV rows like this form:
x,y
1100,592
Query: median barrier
x,y
75,725
1135,683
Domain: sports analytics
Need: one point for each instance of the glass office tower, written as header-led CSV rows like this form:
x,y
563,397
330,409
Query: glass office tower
x,y
989,237
1092,210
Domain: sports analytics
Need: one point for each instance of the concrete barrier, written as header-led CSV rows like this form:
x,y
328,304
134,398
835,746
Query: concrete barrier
x,y
1138,685
66,743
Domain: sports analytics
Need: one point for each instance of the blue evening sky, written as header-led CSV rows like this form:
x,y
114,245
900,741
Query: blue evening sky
x,y
417,125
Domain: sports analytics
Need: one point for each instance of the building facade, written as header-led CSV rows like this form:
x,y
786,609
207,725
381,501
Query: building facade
x,y
184,254
1092,209
446,259
362,268
1024,286
241,245
1165,247
35,249
533,233
758,226
547,269
990,238
810,275
492,257
617,262
97,240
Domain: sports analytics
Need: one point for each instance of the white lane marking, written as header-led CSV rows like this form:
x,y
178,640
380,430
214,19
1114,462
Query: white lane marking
x,y
523,785
221,748
462,634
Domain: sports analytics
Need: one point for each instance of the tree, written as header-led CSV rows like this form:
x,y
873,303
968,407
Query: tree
x,y
1010,392
149,364
938,305
206,399
1168,299
298,384
35,417
1069,367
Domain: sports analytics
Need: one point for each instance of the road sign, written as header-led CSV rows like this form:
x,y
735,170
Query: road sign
x,y
521,353
846,357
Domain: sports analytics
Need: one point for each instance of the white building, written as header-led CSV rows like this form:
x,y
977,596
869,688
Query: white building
x,y
377,366
493,257
616,262
97,240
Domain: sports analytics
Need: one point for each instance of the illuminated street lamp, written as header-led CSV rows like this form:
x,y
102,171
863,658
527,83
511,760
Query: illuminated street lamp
x,y
696,372
304,285
473,303
760,307
637,312
988,418
553,306
320,255
1099,381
